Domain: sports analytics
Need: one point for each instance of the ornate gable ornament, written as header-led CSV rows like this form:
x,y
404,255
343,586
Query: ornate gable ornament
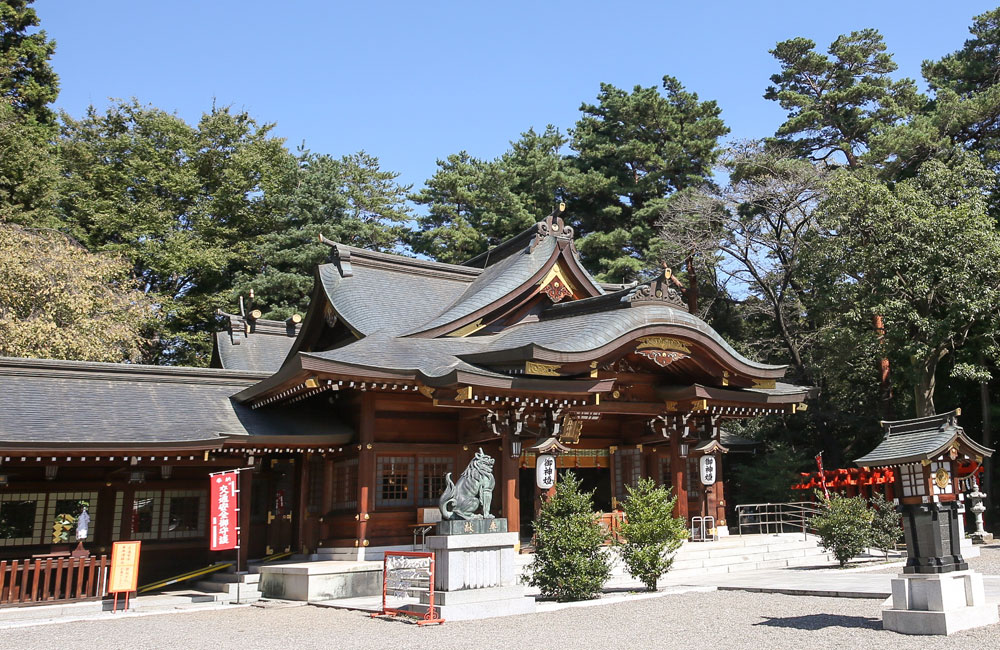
x,y
664,289
552,225
339,256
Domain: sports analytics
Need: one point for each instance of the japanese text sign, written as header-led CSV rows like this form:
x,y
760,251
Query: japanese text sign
x,y
545,471
124,567
223,499
707,470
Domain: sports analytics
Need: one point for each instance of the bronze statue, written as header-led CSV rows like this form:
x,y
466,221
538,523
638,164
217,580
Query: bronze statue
x,y
474,489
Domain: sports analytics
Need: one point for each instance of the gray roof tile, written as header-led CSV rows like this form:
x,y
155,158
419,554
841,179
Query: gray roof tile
x,y
104,405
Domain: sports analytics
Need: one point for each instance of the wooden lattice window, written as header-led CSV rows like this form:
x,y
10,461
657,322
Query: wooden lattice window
x,y
665,478
431,479
345,484
317,468
628,469
394,481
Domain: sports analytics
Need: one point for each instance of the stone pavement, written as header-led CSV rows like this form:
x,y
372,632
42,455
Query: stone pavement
x,y
837,583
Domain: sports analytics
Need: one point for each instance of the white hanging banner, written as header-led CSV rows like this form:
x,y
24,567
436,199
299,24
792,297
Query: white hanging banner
x,y
545,471
707,467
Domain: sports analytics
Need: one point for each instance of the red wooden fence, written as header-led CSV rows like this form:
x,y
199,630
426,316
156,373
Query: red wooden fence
x,y
53,580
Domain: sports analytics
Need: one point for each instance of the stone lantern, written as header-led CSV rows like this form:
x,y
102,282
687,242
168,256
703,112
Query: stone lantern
x,y
936,594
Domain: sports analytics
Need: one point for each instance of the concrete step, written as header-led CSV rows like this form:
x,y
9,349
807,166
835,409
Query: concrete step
x,y
229,589
248,579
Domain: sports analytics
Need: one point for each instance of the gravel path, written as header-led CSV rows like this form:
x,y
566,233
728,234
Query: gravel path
x,y
716,619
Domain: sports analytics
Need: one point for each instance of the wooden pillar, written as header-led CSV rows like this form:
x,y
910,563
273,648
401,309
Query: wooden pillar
x,y
719,494
678,467
366,467
303,473
509,472
246,490
613,471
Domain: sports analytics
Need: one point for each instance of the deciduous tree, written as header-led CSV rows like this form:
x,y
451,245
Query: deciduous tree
x,y
59,301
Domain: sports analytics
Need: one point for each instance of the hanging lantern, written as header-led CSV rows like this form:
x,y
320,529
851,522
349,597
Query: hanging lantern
x,y
545,471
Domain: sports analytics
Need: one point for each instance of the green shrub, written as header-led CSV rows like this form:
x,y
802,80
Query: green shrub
x,y
650,532
887,524
569,561
844,526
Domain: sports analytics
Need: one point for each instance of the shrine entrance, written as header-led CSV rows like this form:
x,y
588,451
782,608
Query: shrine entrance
x,y
273,499
592,479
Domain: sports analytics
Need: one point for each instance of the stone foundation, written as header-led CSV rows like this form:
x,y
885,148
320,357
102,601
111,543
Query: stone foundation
x,y
939,604
475,576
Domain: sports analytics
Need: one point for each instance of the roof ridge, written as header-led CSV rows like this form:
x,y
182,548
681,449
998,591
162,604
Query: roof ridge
x,y
551,225
66,368
352,255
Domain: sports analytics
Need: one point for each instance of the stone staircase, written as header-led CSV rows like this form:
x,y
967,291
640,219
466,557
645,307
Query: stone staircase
x,y
749,553
225,587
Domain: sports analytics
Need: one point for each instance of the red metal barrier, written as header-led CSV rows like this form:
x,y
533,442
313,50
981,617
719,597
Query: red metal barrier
x,y
403,573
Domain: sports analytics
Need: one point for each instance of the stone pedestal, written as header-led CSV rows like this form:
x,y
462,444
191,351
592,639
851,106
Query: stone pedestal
x,y
941,603
474,576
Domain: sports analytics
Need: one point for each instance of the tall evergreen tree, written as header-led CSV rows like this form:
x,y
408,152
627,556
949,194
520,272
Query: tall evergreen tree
x,y
633,149
26,78
471,206
837,102
28,170
185,204
350,200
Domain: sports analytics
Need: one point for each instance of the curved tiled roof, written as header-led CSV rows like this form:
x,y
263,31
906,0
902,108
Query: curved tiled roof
x,y
428,358
384,299
495,282
255,353
918,439
589,331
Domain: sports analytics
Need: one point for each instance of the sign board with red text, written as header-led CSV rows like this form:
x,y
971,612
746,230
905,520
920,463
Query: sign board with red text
x,y
124,567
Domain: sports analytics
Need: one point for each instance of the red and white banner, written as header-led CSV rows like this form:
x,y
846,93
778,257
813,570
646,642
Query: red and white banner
x,y
225,487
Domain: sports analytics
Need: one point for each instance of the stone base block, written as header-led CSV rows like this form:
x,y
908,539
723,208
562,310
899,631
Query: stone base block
x,y
481,603
938,603
314,581
938,623
473,561
470,526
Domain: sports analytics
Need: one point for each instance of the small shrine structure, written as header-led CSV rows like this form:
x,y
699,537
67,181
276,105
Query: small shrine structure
x,y
937,594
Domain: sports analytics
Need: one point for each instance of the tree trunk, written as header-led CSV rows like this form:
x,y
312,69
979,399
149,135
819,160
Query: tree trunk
x,y
885,386
923,390
984,399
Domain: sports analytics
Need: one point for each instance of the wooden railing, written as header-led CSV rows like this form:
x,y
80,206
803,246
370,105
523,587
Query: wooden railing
x,y
52,580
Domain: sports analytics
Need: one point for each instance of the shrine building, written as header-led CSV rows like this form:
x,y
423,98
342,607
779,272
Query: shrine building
x,y
345,423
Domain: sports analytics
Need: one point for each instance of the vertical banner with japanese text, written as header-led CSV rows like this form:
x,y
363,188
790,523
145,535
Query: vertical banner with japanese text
x,y
223,497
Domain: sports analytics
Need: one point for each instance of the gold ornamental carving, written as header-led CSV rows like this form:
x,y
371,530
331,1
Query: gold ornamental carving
x,y
766,384
663,343
941,478
541,369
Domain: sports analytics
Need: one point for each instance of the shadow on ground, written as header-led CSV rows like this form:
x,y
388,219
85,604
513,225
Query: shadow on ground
x,y
822,621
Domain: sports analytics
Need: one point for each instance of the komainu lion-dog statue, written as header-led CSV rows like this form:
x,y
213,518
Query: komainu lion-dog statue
x,y
474,489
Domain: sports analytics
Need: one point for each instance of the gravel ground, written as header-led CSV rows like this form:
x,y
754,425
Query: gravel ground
x,y
988,562
720,619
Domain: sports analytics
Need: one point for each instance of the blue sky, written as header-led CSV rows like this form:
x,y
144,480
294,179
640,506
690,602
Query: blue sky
x,y
411,82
